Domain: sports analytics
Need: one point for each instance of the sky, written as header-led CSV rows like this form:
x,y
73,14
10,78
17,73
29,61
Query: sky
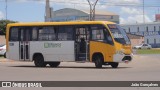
x,y
130,11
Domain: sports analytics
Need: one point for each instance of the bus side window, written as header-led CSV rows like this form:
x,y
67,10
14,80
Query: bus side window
x,y
14,34
69,31
65,33
108,37
62,35
47,33
34,34
97,33
51,33
43,34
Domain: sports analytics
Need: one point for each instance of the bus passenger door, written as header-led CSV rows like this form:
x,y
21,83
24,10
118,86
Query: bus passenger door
x,y
24,44
82,43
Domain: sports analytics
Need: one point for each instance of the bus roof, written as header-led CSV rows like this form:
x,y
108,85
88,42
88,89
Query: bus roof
x,y
59,23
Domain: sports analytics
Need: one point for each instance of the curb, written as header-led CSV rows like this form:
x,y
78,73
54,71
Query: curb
x,y
6,60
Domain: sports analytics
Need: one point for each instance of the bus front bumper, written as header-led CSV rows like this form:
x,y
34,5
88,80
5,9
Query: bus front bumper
x,y
122,58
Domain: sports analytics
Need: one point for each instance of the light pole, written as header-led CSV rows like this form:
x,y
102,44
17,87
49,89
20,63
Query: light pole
x,y
143,13
92,10
6,9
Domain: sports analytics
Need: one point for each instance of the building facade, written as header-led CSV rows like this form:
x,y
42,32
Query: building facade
x,y
150,31
69,14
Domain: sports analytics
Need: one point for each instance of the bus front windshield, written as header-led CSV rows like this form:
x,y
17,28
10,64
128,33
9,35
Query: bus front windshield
x,y
119,34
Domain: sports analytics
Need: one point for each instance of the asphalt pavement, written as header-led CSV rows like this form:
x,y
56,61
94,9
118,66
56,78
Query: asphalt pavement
x,y
142,68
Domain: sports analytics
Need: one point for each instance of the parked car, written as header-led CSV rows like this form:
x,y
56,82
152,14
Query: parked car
x,y
3,50
143,46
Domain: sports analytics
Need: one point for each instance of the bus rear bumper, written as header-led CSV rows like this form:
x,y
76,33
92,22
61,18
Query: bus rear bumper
x,y
122,58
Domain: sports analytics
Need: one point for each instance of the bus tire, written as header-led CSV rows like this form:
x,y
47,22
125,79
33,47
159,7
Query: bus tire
x,y
114,64
54,64
39,61
98,61
5,55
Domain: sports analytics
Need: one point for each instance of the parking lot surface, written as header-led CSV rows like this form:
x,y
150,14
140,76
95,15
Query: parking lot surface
x,y
142,68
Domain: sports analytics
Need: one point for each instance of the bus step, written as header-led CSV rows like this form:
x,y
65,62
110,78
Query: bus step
x,y
82,55
82,59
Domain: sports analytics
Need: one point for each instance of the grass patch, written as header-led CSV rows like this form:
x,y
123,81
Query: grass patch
x,y
148,51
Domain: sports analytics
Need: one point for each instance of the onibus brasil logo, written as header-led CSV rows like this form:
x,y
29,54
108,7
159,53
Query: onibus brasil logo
x,y
21,84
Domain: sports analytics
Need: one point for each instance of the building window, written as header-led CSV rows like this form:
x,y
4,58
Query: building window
x,y
129,30
137,29
147,41
154,28
111,17
154,41
147,28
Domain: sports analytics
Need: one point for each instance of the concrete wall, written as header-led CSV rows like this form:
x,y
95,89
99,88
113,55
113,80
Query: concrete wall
x,y
2,39
135,42
136,39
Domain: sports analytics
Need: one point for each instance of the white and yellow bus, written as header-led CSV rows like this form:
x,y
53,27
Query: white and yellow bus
x,y
101,42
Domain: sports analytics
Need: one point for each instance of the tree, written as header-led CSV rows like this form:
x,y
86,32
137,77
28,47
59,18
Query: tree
x,y
3,24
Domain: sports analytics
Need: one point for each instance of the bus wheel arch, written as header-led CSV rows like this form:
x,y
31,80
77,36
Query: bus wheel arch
x,y
98,59
39,60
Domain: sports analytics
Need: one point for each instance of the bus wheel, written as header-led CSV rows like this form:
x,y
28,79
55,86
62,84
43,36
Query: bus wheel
x,y
98,61
39,61
114,64
5,55
54,64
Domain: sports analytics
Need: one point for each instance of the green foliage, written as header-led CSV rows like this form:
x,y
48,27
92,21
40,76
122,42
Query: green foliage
x,y
3,24
148,51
